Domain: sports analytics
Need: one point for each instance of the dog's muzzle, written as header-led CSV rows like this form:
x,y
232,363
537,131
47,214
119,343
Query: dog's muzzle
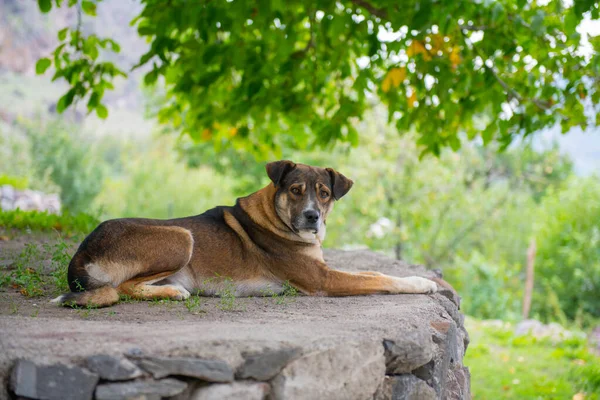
x,y
309,221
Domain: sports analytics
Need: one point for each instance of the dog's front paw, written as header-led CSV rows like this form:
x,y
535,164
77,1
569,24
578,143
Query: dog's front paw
x,y
417,284
425,285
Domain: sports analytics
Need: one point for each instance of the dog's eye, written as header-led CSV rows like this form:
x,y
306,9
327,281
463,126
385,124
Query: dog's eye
x,y
295,191
324,194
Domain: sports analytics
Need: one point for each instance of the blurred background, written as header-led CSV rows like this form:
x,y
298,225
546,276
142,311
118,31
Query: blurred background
x,y
479,210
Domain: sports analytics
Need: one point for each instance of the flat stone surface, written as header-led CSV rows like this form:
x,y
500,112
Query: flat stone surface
x,y
264,366
113,368
349,370
315,325
205,370
408,351
147,389
232,391
52,382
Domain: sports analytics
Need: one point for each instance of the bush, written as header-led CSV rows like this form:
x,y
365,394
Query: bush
x,y
568,259
42,221
16,182
487,290
70,162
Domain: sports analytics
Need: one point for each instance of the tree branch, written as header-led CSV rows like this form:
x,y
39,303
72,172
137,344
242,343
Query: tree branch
x,y
467,230
378,12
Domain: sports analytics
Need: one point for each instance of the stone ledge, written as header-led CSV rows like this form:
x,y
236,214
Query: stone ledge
x,y
369,347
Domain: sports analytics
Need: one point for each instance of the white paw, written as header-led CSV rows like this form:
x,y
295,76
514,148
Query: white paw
x,y
59,299
183,293
416,284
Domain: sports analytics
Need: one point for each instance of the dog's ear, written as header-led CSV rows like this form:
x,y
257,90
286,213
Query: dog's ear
x,y
277,170
340,185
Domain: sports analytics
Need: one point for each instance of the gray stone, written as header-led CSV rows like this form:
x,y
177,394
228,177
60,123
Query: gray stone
x,y
409,387
404,387
449,306
264,366
458,384
346,370
113,368
140,390
232,391
446,354
446,290
52,382
408,352
206,370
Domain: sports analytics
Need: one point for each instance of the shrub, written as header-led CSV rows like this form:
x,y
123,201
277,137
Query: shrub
x,y
568,259
70,162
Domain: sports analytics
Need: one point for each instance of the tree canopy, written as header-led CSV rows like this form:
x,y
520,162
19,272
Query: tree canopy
x,y
259,75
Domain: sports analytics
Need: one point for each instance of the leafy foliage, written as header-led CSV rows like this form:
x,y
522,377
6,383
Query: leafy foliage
x,y
262,75
70,163
76,60
569,250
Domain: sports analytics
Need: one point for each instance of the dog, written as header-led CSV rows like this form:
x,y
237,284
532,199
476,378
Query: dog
x,y
266,240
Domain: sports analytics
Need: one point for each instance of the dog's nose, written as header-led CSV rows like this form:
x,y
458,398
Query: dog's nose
x,y
311,215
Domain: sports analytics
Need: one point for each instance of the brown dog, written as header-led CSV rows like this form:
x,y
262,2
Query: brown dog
x,y
268,238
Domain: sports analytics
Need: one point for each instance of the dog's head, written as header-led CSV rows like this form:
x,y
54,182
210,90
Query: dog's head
x,y
305,195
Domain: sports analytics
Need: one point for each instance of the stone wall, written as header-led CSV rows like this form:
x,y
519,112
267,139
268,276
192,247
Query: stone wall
x,y
367,347
28,200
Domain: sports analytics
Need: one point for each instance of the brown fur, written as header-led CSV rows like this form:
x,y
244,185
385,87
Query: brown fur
x,y
267,238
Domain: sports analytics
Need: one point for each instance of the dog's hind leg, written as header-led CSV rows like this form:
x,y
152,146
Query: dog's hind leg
x,y
142,288
124,257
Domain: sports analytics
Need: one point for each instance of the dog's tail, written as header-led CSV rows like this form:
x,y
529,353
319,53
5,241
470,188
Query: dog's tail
x,y
100,297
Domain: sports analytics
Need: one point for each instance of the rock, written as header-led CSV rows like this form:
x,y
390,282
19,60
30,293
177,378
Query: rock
x,y
409,387
446,290
553,331
450,307
346,370
595,339
404,387
140,390
458,383
27,200
446,353
206,370
113,368
52,382
232,391
406,353
264,366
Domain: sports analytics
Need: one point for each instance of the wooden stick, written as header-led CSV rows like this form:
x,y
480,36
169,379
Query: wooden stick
x,y
529,279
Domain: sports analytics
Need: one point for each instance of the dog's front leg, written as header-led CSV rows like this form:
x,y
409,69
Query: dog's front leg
x,y
318,279
339,283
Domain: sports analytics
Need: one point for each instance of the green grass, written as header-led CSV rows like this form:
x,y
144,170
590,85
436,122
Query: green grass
x,y
504,366
26,273
16,182
287,295
69,224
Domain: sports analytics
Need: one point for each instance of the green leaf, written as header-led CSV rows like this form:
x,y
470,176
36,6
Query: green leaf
x,y
488,133
454,142
101,111
145,31
42,65
65,101
45,5
62,34
89,7
150,77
